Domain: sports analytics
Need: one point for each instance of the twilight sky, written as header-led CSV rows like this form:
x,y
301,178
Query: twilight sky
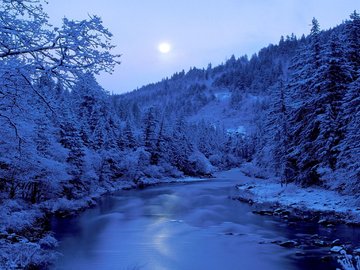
x,y
199,31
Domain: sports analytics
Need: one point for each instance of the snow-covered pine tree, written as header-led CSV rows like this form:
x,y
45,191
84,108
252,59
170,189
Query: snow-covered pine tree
x,y
129,138
160,148
71,140
304,87
272,155
181,147
350,148
352,38
336,76
150,134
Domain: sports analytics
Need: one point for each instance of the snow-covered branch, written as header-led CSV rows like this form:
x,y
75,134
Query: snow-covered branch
x,y
76,46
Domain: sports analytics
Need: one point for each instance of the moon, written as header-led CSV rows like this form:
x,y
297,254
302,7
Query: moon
x,y
164,47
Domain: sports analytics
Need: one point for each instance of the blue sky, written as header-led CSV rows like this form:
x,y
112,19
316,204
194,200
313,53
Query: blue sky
x,y
199,31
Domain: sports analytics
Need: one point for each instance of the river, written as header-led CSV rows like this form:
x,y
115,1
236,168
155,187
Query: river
x,y
186,226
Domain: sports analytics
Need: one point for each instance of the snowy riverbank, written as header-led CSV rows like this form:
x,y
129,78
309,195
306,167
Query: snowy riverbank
x,y
25,238
270,197
294,204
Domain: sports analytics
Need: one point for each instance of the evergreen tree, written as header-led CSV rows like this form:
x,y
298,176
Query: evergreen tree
x,y
273,153
336,78
150,128
349,147
304,85
94,113
71,140
128,137
181,147
352,34
160,148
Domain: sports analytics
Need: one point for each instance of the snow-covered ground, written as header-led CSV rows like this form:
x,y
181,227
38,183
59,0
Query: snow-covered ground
x,y
220,112
270,191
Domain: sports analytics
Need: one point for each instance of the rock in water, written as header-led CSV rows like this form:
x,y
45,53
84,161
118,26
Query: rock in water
x,y
288,244
336,249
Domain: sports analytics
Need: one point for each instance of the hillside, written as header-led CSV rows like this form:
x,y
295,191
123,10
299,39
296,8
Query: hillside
x,y
270,105
228,95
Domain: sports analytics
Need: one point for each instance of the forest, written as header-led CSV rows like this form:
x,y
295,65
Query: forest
x,y
292,111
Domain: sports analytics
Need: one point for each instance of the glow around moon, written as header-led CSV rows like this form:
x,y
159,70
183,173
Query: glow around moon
x,y
164,47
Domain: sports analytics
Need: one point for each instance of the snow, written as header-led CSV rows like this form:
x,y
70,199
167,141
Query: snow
x,y
336,249
18,251
290,195
348,262
221,96
219,111
240,130
15,215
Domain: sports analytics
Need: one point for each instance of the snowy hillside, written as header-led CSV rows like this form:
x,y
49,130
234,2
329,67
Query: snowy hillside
x,y
291,109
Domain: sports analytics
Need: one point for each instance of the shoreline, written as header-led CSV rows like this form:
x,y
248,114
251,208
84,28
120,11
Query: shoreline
x,y
291,202
26,239
294,204
296,207
268,197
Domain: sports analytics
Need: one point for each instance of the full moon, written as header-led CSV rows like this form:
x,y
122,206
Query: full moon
x,y
164,47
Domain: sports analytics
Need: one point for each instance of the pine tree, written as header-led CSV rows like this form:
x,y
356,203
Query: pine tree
x,y
71,140
336,78
276,138
352,34
150,129
349,147
159,150
302,162
181,147
129,139
94,113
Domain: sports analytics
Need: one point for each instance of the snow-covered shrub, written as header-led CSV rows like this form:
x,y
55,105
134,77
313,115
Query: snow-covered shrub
x,y
200,164
133,163
24,254
170,170
215,160
252,170
342,181
16,216
153,171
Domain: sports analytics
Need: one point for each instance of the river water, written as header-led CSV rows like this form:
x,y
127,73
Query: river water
x,y
186,226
